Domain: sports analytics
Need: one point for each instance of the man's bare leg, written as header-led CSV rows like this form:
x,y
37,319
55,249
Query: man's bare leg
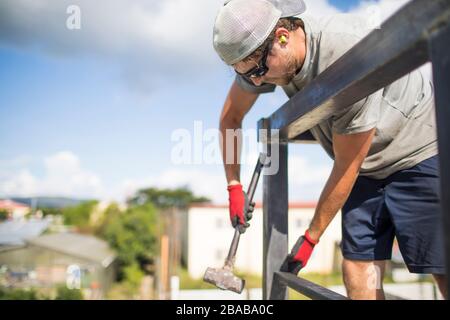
x,y
364,279
441,281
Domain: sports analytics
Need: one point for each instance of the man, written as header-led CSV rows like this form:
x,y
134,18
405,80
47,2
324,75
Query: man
x,y
385,172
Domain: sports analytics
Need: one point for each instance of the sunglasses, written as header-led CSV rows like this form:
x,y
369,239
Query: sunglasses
x,y
261,69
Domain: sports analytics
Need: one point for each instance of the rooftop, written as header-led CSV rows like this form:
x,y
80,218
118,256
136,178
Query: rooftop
x,y
12,205
15,232
78,245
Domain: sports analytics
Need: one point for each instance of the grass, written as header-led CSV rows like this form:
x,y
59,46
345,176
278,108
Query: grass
x,y
189,283
255,281
324,280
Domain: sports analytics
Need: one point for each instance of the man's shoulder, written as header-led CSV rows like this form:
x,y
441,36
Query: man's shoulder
x,y
339,24
336,35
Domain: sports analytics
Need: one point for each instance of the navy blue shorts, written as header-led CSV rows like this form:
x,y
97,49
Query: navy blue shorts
x,y
405,205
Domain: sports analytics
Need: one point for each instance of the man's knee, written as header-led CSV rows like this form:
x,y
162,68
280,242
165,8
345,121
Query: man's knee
x,y
363,269
363,279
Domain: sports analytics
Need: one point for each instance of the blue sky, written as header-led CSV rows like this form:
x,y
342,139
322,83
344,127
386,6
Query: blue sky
x,y
90,112
344,5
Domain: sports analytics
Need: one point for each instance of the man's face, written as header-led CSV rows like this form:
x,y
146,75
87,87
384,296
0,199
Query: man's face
x,y
280,62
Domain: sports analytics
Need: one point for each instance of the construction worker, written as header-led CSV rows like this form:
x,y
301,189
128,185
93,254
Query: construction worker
x,y
385,173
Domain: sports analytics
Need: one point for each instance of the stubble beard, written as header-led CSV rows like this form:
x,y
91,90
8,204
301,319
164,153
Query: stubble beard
x,y
288,75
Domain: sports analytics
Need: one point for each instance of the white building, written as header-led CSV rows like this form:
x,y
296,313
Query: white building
x,y
16,210
209,234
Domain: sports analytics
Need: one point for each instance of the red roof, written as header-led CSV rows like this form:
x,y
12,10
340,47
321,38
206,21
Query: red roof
x,y
292,205
12,205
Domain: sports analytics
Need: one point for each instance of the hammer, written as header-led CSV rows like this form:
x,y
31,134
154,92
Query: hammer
x,y
223,278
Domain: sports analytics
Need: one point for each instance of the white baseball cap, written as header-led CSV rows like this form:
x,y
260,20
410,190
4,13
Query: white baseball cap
x,y
241,26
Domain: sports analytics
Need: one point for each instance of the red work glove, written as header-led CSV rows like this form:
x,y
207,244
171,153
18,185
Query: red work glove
x,y
240,208
300,253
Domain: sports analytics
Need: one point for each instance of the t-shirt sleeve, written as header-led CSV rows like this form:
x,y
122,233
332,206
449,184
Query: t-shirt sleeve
x,y
250,87
359,117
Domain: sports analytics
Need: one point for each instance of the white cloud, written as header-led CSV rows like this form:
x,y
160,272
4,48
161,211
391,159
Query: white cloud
x,y
22,183
320,8
211,184
307,172
306,180
153,41
385,7
63,176
150,40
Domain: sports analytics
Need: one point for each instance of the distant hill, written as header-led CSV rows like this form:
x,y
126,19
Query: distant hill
x,y
48,202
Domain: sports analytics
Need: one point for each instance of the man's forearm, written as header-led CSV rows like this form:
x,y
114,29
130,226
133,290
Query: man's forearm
x,y
231,146
333,197
349,152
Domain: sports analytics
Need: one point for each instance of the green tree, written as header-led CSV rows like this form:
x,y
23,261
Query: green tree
x,y
79,215
18,294
166,198
50,211
3,215
112,213
134,235
64,293
133,275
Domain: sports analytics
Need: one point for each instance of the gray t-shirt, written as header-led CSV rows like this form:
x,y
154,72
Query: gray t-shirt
x,y
402,113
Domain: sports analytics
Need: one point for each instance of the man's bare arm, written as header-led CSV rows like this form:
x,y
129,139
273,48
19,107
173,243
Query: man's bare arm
x,y
350,152
237,104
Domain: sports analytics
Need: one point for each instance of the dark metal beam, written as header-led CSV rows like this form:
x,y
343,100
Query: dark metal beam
x,y
440,56
305,137
275,224
263,136
314,291
385,55
307,288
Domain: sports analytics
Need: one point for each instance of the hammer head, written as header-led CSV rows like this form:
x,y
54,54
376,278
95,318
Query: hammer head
x,y
224,279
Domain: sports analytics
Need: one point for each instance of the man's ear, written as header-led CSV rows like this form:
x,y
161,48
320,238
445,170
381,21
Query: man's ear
x,y
282,36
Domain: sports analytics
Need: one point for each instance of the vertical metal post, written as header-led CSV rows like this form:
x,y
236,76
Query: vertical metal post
x,y
275,233
439,46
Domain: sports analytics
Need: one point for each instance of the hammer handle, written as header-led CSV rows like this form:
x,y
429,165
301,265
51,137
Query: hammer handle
x,y
250,193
